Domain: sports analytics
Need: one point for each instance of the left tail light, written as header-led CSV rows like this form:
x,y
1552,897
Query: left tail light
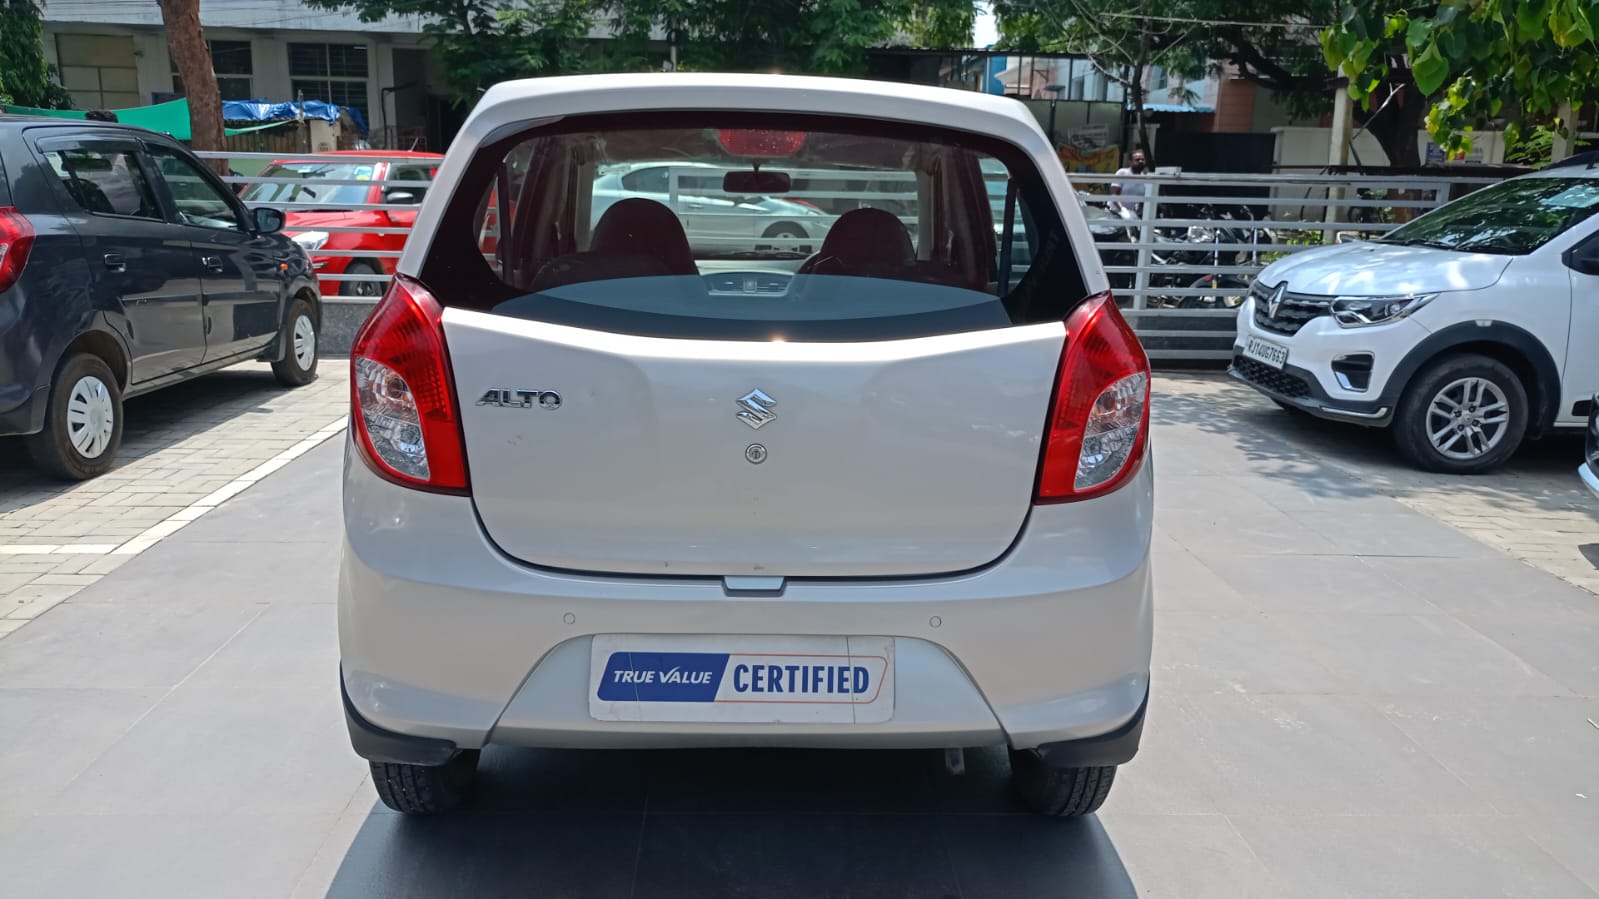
x,y
404,410
1099,425
16,241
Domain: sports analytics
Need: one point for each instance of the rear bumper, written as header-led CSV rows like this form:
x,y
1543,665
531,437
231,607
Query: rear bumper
x,y
1590,477
444,638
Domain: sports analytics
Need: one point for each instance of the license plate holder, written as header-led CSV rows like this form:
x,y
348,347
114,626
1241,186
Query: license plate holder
x,y
1266,352
728,679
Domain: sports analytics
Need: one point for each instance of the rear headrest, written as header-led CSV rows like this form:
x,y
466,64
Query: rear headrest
x,y
866,237
640,227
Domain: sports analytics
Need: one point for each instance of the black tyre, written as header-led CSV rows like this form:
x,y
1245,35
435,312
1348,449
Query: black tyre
x,y
787,230
1061,792
82,423
426,789
373,289
1463,414
299,340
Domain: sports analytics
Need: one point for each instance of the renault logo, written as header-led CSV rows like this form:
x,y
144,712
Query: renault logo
x,y
1276,300
755,408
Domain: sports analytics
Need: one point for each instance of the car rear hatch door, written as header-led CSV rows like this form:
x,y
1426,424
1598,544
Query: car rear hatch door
x,y
635,454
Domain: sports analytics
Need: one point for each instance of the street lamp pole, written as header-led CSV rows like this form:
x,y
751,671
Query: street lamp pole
x,y
1054,97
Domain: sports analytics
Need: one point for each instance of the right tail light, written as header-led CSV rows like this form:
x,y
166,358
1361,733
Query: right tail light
x,y
403,406
1099,423
16,240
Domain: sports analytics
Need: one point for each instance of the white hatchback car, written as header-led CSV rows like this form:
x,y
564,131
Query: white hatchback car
x,y
597,495
1465,331
716,222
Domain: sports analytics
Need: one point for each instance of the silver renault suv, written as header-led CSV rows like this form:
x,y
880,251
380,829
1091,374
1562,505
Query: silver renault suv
x,y
603,490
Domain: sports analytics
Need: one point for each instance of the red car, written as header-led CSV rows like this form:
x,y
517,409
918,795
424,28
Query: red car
x,y
320,200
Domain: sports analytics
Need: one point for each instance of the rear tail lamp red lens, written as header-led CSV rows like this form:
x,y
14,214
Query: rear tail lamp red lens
x,y
1099,425
405,414
16,241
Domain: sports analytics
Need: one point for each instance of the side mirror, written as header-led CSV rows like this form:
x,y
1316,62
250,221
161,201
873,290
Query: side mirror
x,y
1583,258
399,197
1587,265
268,220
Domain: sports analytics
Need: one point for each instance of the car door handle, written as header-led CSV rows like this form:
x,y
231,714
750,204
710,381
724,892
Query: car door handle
x,y
115,262
212,263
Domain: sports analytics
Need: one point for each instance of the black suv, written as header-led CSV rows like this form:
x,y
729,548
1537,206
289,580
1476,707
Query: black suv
x,y
126,265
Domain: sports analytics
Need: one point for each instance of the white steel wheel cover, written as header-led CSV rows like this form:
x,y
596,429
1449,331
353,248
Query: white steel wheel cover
x,y
1468,418
304,335
91,417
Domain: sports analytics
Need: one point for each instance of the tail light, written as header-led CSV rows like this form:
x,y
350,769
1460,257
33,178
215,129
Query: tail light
x,y
16,239
402,396
1099,424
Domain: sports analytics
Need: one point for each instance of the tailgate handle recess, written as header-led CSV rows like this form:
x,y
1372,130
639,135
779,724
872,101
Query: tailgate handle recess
x,y
753,586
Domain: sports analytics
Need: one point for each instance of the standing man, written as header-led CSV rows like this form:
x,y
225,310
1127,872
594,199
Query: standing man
x,y
1137,165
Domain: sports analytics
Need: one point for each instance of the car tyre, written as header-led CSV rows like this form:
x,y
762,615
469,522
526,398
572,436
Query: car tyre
x,y
426,789
1493,401
371,289
82,421
299,341
1060,792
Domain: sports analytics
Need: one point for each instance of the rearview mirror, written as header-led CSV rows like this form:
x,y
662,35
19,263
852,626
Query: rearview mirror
x,y
759,184
1587,265
268,220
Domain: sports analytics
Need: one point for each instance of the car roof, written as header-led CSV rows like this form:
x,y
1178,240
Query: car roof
x,y
37,121
374,155
531,99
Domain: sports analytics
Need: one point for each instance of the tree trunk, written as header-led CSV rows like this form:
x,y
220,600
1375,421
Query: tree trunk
x,y
191,56
1396,130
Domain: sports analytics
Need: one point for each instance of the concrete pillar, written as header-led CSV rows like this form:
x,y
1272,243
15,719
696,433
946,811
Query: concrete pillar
x,y
1338,151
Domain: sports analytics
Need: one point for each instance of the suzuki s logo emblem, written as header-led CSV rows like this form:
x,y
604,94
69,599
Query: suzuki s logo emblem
x,y
1276,300
755,408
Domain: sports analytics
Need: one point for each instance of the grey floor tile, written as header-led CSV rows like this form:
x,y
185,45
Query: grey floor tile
x,y
238,750
1303,755
1219,531
122,646
1492,584
1399,655
299,503
1188,857
1396,532
243,572
1170,775
1566,649
1527,755
288,644
1296,583
1235,652
170,856
51,735
1381,856
1206,492
1184,583
1569,836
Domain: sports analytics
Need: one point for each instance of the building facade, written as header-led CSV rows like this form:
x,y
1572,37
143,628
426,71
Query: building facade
x,y
114,55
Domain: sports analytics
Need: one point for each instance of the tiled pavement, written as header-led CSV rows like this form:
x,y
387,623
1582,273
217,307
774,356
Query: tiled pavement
x,y
1350,699
185,450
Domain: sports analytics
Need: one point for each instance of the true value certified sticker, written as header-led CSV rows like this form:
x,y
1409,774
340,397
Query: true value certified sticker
x,y
683,678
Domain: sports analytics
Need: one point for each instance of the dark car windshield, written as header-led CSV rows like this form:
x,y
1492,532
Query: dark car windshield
x,y
1513,217
310,191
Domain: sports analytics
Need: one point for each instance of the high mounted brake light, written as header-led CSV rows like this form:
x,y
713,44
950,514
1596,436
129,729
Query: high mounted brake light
x,y
406,418
1099,422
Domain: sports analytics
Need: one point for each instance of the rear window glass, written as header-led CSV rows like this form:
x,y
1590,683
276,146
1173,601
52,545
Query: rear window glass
x,y
754,226
105,182
307,184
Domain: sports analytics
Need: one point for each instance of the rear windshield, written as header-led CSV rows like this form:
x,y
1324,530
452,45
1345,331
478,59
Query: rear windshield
x,y
754,226
310,189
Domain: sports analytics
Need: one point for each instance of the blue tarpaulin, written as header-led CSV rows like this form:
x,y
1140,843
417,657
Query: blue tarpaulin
x,y
263,111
